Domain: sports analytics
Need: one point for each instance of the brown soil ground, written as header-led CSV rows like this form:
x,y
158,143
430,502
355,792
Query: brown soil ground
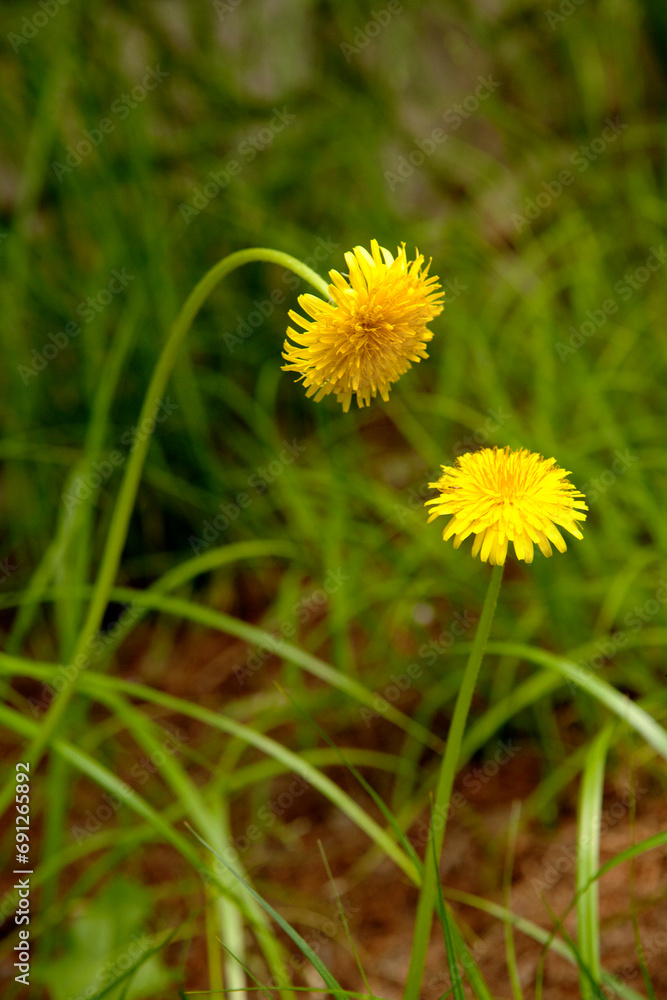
x,y
379,902
377,898
380,906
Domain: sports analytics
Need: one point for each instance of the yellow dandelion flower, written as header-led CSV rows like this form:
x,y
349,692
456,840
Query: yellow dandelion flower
x,y
375,325
504,496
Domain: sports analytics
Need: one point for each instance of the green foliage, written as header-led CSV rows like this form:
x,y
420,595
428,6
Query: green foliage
x,y
107,945
519,147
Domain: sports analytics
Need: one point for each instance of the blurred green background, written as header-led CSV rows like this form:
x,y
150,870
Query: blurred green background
x,y
357,109
520,145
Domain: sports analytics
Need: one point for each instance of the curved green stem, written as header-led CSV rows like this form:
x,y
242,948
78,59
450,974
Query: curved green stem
x,y
120,520
443,793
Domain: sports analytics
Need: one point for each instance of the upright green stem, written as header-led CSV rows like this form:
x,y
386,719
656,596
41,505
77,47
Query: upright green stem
x,y
443,793
120,520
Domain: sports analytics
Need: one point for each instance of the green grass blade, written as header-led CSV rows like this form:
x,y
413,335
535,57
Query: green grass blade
x,y
562,948
446,920
456,946
510,951
256,636
303,946
152,600
588,851
368,788
620,704
447,772
589,980
105,779
343,918
94,684
126,976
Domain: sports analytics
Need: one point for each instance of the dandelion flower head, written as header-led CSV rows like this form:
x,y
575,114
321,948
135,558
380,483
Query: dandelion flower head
x,y
504,496
375,325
